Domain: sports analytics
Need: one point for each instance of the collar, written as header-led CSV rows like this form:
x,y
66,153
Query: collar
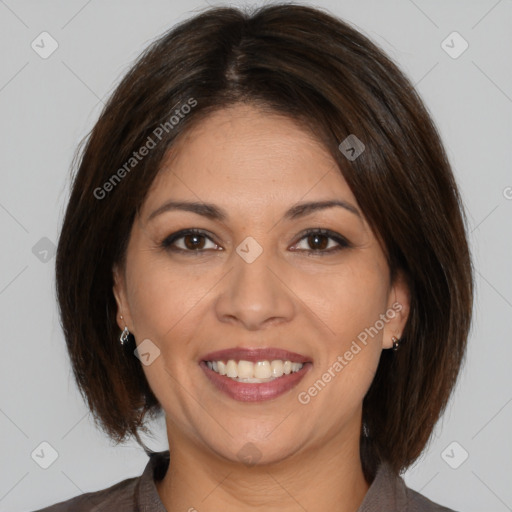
x,y
387,492
146,494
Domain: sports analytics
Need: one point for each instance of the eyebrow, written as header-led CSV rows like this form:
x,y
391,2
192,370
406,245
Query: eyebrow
x,y
214,212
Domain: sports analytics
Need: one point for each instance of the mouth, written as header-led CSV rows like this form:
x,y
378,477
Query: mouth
x,y
253,375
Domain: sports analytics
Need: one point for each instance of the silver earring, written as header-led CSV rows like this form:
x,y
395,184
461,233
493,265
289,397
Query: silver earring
x,y
124,336
396,343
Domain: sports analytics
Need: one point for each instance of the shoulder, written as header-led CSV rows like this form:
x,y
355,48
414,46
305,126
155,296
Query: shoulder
x,y
120,496
389,493
419,503
130,495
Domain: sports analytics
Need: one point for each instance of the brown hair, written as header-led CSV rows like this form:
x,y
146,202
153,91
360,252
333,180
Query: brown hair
x,y
312,67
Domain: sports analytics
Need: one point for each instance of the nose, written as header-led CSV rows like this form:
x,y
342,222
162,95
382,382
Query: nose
x,y
255,294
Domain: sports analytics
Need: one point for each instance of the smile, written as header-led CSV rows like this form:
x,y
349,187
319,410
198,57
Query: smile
x,y
254,375
260,371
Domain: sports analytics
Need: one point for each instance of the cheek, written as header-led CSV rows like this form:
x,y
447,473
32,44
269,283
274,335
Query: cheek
x,y
154,304
165,306
359,299
347,300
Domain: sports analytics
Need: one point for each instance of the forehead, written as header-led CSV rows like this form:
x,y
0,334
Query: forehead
x,y
249,157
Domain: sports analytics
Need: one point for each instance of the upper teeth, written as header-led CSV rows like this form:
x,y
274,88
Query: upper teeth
x,y
249,370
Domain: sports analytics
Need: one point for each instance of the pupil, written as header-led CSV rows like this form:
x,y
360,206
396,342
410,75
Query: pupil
x,y
313,241
193,245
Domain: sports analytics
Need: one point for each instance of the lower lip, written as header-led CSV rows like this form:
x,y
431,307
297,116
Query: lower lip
x,y
255,392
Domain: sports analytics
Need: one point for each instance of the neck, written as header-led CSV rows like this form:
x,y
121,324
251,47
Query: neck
x,y
313,479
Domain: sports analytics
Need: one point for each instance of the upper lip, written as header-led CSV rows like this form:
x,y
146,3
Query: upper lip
x,y
255,354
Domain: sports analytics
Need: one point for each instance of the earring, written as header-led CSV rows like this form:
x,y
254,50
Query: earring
x,y
396,343
125,334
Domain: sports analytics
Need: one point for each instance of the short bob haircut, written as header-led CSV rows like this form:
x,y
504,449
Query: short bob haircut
x,y
314,68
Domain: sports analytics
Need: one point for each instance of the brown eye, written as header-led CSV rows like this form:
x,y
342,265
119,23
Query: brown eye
x,y
189,240
194,241
321,241
317,241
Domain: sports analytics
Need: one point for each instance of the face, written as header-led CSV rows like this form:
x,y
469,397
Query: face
x,y
260,278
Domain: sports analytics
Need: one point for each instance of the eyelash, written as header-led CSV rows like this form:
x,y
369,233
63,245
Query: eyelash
x,y
343,243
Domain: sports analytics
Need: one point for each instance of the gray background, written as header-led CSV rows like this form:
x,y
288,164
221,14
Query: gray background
x,y
48,105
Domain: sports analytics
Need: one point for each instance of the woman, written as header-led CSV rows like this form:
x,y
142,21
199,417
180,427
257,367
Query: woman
x,y
265,241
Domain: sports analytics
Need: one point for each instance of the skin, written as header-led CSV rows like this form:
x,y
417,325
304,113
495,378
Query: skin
x,y
255,165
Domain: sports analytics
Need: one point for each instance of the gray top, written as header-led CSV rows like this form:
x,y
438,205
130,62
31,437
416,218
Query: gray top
x,y
387,493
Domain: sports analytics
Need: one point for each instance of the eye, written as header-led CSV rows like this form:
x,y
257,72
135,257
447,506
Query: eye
x,y
189,240
322,241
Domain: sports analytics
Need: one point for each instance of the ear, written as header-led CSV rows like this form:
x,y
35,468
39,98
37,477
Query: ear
x,y
397,312
123,316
